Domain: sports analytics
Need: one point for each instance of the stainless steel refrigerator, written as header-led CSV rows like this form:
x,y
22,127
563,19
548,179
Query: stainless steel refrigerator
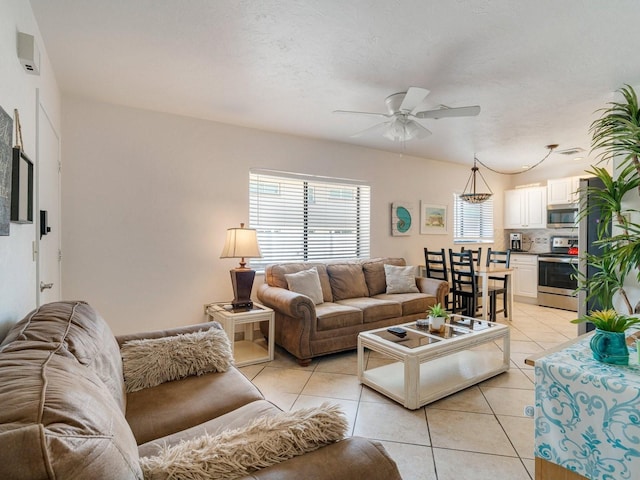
x,y
587,235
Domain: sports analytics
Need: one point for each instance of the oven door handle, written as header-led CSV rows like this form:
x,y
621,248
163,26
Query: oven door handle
x,y
558,260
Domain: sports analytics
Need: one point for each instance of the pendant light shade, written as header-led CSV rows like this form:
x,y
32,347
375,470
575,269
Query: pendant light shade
x,y
470,193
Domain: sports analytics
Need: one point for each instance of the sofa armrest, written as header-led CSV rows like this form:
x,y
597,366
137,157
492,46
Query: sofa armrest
x,y
432,286
295,320
170,332
353,457
285,301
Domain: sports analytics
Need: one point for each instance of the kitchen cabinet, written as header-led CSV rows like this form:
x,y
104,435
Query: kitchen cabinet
x,y
525,208
562,191
525,275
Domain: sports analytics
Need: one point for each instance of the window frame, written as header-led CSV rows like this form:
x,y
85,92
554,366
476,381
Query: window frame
x,y
306,211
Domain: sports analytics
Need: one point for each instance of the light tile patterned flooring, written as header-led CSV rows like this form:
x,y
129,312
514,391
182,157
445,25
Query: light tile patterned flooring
x,y
479,433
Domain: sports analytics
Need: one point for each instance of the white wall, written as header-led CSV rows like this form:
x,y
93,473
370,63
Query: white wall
x,y
18,90
147,198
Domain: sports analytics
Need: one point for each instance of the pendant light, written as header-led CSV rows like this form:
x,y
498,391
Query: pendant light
x,y
470,193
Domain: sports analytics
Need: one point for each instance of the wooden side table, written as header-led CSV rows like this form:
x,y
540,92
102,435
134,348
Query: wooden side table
x,y
248,350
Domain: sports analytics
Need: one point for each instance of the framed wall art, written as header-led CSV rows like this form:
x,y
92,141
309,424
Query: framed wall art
x,y
402,218
21,188
433,219
6,130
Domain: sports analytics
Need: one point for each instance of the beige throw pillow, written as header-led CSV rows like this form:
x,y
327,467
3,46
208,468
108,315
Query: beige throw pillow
x,y
150,362
306,282
401,279
347,281
237,453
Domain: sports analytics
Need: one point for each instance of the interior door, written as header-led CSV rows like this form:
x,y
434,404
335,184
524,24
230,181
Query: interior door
x,y
48,237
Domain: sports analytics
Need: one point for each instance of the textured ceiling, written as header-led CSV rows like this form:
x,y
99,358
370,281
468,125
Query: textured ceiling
x,y
538,69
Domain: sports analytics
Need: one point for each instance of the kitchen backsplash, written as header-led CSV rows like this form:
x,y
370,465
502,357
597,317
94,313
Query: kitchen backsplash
x,y
539,241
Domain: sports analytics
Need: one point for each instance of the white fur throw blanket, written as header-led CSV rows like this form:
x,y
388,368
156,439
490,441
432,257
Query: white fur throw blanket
x,y
236,453
150,362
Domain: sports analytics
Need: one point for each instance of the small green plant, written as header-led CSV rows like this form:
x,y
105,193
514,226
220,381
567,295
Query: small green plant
x,y
608,320
437,311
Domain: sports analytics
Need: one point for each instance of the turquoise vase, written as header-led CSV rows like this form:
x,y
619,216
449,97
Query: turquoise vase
x,y
610,347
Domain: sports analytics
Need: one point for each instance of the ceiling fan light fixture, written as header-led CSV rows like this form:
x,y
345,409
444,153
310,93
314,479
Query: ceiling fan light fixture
x,y
470,193
401,129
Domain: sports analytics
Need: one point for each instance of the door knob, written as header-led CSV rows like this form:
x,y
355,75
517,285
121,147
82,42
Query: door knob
x,y
44,286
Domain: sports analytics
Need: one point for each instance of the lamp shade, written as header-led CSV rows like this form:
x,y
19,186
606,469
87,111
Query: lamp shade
x,y
241,243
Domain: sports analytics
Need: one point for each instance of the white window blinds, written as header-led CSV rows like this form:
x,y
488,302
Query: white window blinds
x,y
307,218
472,223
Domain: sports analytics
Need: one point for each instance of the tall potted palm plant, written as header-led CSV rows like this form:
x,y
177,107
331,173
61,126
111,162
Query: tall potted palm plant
x,y
615,134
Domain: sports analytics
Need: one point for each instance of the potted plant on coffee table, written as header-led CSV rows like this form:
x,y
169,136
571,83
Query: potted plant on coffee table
x,y
437,318
609,344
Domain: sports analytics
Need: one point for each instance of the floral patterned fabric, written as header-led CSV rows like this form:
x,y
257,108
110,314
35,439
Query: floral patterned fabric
x,y
587,413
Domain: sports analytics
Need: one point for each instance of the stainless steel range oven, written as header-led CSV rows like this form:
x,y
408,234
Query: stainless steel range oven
x,y
556,272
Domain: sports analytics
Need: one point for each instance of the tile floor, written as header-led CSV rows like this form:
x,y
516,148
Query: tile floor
x,y
479,433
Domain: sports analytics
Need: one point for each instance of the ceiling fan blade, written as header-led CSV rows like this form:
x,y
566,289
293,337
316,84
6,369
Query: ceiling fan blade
x,y
377,130
383,115
421,132
445,112
413,98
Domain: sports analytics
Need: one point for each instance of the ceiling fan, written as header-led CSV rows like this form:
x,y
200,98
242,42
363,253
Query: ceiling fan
x,y
403,107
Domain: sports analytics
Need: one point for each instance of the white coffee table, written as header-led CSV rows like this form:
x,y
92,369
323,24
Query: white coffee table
x,y
423,366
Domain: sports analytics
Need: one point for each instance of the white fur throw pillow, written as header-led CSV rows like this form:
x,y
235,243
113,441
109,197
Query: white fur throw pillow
x,y
401,279
150,362
237,453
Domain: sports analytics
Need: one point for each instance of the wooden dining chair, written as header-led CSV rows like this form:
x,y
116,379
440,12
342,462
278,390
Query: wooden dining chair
x,y
475,254
465,288
499,284
436,267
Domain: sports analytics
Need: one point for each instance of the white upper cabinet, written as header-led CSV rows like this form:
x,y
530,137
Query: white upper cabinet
x,y
561,191
525,208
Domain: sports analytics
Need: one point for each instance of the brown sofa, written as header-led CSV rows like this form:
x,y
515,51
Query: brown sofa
x,y
65,414
354,299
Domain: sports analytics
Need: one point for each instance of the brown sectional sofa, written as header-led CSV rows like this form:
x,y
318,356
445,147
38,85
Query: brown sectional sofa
x,y
65,414
354,299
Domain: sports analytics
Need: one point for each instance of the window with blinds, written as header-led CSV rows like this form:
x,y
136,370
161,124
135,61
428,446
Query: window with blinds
x,y
307,218
472,223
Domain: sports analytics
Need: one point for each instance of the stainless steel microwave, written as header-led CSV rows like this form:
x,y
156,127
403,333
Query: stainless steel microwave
x,y
562,216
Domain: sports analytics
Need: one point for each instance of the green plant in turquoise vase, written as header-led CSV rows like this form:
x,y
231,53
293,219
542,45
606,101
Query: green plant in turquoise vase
x,y
608,343
608,320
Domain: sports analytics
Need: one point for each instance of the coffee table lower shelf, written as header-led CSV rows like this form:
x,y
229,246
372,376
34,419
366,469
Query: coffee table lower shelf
x,y
421,367
438,378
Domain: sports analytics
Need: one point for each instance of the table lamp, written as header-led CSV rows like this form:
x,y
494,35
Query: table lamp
x,y
241,243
